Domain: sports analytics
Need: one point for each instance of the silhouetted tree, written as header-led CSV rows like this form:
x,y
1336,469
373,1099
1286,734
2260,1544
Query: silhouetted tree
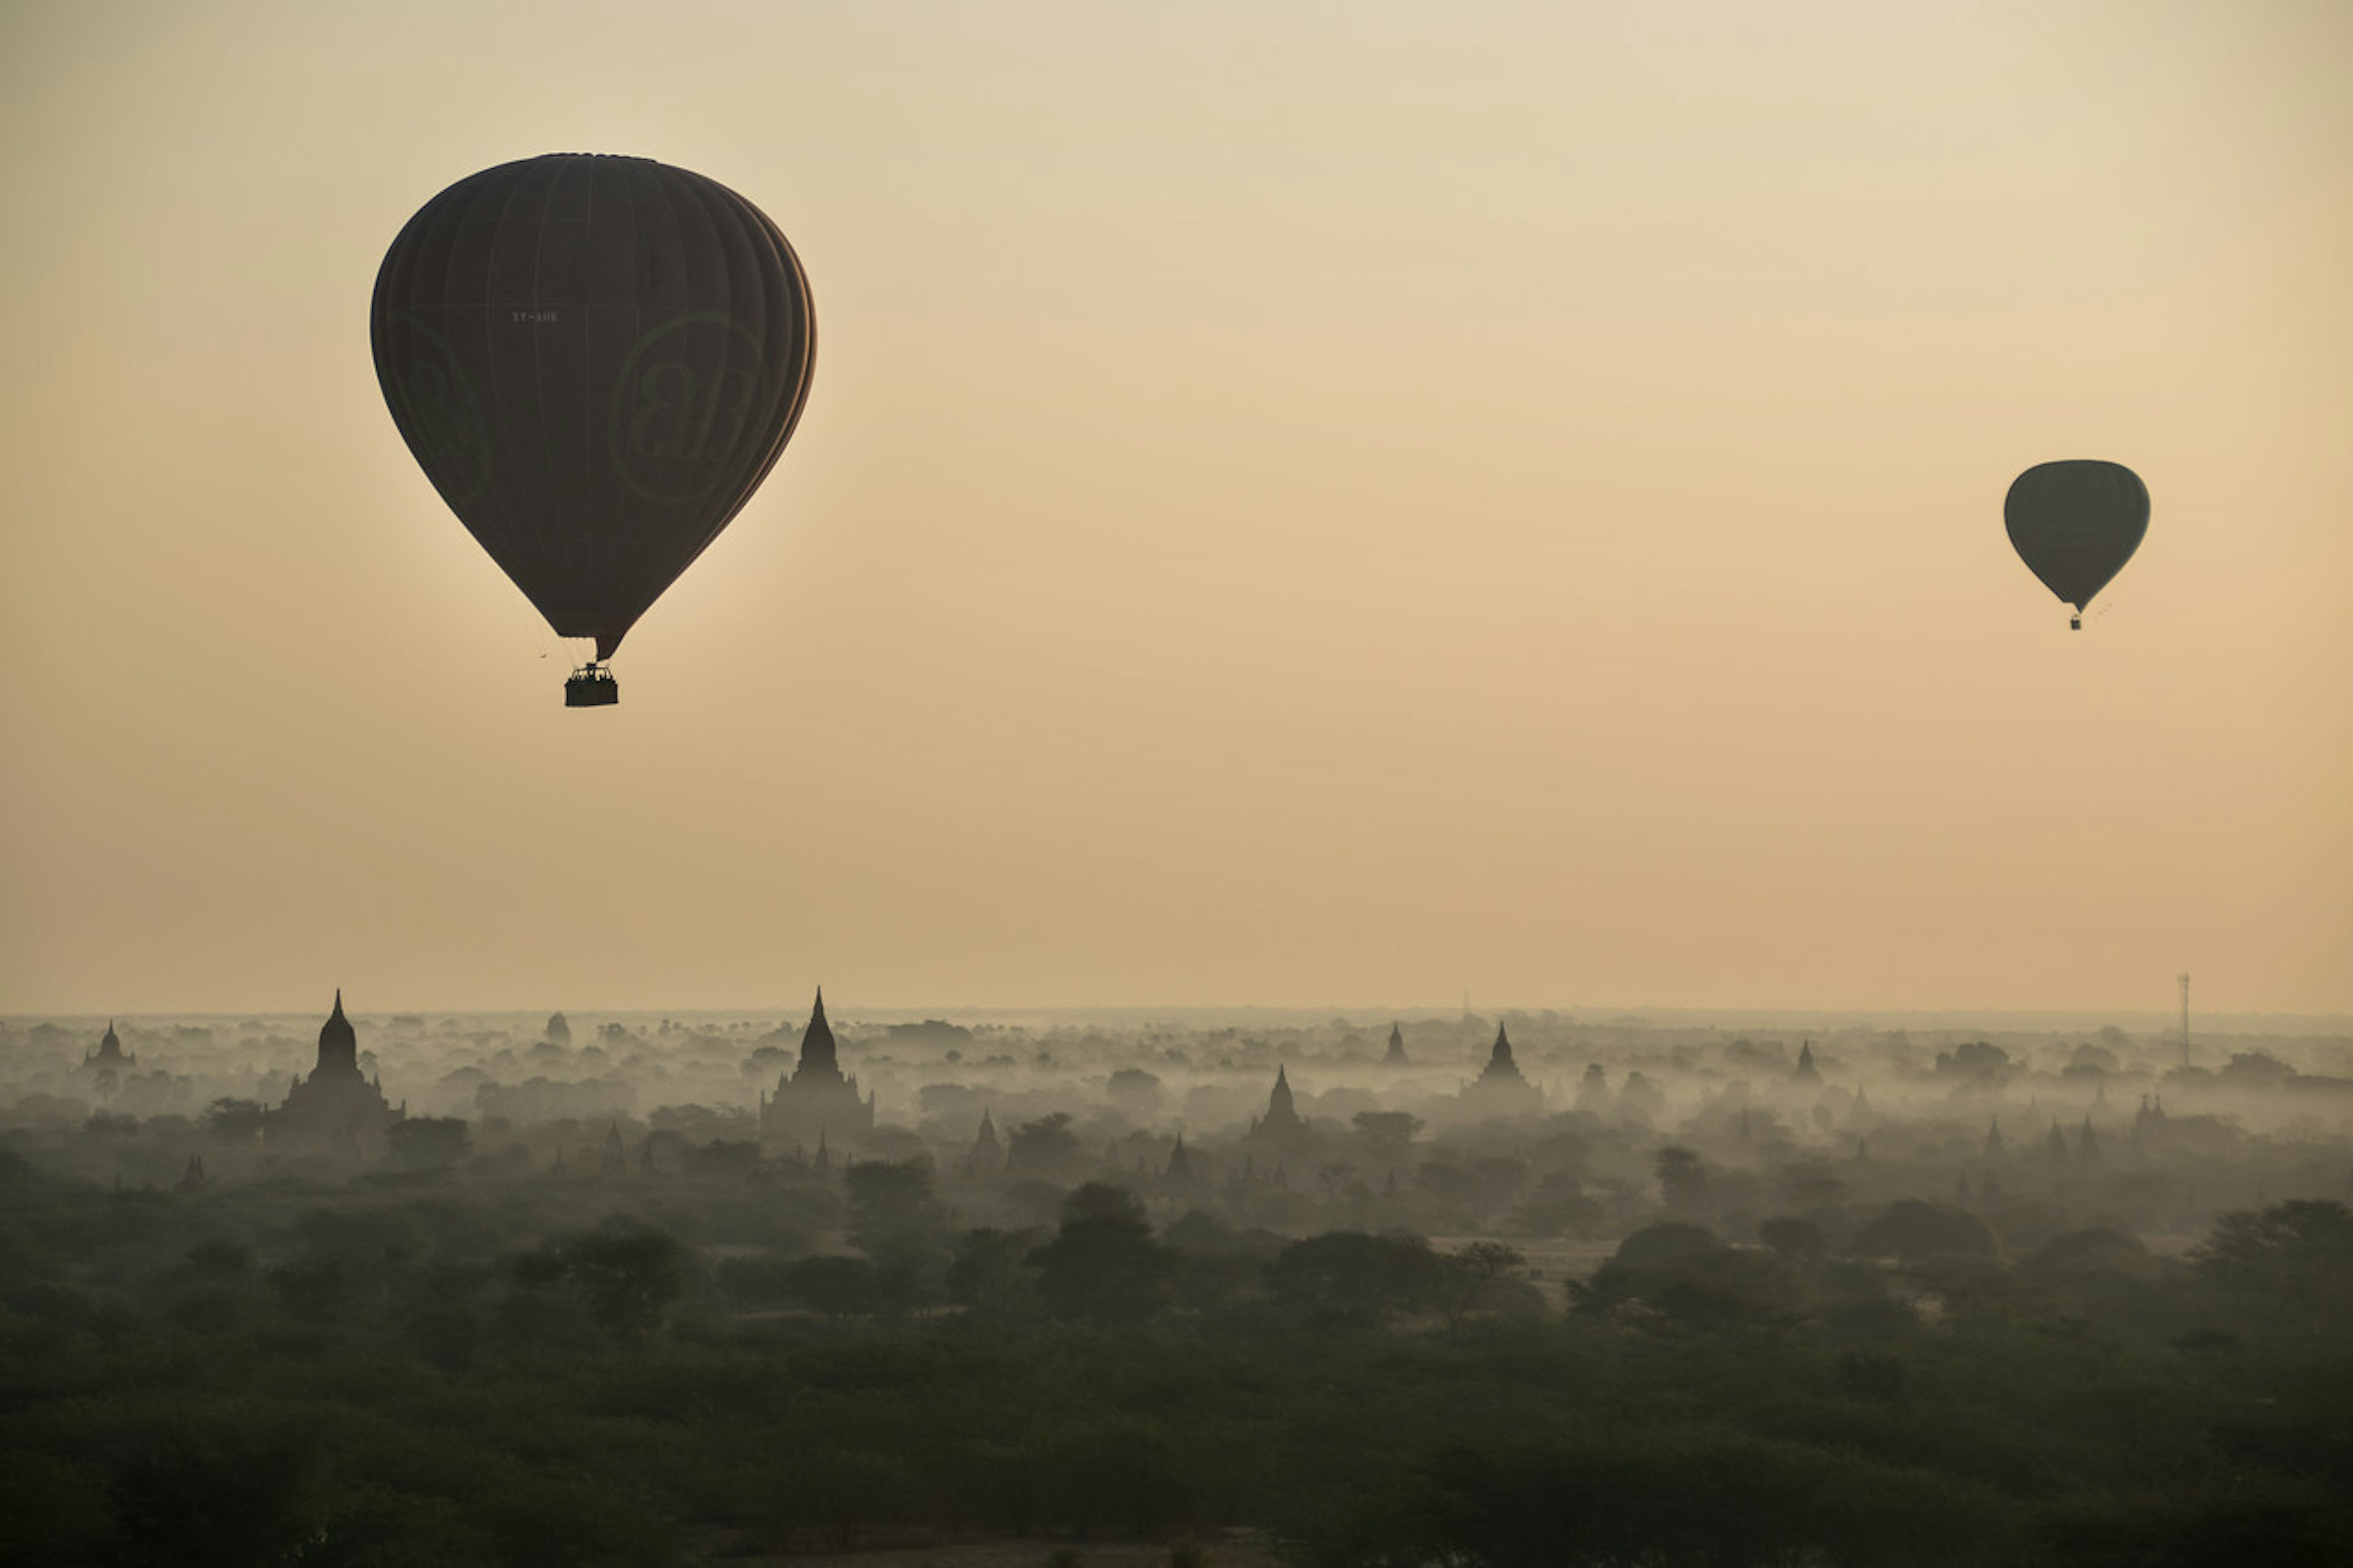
x,y
988,1273
1045,1147
426,1141
1388,1135
1133,1090
2296,1256
1683,1273
1913,1230
1104,1262
1464,1278
1980,1060
895,1221
627,1278
1349,1277
883,1195
721,1159
236,1122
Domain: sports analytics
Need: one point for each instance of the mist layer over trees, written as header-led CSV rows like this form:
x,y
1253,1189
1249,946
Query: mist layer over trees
x,y
1528,1289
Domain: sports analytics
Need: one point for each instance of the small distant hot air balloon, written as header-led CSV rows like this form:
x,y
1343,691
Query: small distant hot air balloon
x,y
596,360
2075,525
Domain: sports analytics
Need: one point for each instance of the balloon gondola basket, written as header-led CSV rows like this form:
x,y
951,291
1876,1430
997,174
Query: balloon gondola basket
x,y
591,686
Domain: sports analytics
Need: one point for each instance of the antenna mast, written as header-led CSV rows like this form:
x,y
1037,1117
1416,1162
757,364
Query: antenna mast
x,y
2185,1020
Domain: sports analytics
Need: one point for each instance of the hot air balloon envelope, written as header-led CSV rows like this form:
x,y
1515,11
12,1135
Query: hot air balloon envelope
x,y
2075,523
596,360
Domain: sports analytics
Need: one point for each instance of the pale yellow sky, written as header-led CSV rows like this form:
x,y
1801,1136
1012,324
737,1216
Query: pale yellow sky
x,y
1301,504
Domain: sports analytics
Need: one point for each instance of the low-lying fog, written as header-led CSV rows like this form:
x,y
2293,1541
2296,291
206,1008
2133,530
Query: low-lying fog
x,y
2040,1127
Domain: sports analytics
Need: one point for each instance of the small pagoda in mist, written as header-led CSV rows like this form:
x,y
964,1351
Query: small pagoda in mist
x,y
109,1057
1500,1089
986,1160
1395,1057
337,1110
1282,1128
816,1103
107,1063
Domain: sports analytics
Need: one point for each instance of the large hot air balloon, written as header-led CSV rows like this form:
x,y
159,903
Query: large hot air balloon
x,y
2075,525
596,360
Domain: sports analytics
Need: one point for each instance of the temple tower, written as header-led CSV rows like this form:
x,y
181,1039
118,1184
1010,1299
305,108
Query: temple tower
x,y
1500,1089
337,1110
817,1100
1282,1126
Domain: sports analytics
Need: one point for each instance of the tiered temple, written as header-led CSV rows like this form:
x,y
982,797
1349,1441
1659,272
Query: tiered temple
x,y
337,1110
110,1053
816,1103
1282,1127
107,1063
1500,1089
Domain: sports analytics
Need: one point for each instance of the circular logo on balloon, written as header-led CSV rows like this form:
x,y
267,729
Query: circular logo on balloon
x,y
435,405
683,405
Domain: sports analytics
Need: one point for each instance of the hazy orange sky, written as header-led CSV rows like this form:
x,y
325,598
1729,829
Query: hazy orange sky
x,y
1325,504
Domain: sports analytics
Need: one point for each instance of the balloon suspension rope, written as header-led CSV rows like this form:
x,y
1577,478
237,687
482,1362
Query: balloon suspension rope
x,y
533,631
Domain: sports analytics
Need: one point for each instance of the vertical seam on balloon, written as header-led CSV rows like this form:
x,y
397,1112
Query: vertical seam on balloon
x,y
664,179
594,482
538,368
751,232
558,168
627,550
803,330
770,248
771,255
490,365
806,326
710,200
462,209
776,265
729,206
604,460
804,346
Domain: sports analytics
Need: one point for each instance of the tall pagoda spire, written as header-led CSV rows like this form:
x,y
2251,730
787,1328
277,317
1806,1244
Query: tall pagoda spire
x,y
339,1043
1500,1065
818,1057
1281,1121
